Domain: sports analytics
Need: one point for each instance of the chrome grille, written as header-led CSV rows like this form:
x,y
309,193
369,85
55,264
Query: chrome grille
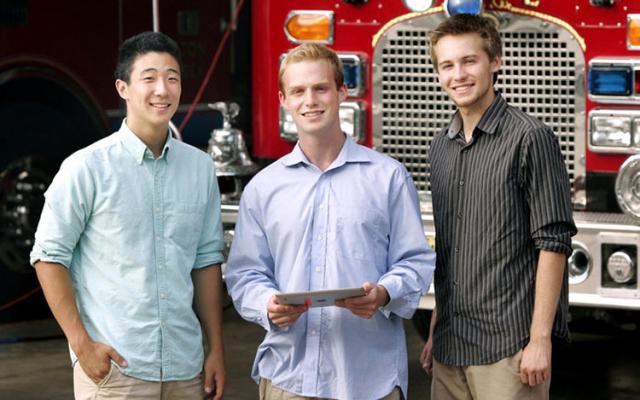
x,y
542,74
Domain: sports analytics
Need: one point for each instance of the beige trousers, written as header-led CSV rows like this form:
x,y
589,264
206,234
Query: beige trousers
x,y
118,386
270,392
497,381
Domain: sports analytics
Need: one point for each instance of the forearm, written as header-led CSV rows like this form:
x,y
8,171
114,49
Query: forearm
x,y
547,293
60,296
208,305
432,324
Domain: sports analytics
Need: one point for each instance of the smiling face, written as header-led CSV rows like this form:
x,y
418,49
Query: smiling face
x,y
310,94
466,72
152,93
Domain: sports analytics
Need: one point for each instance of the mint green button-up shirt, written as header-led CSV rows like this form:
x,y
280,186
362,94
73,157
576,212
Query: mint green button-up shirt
x,y
130,229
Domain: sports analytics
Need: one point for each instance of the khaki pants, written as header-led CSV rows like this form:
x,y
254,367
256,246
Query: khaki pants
x,y
118,386
497,381
270,392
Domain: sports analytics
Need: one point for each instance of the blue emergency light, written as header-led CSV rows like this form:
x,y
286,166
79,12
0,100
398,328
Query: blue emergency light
x,y
610,81
454,7
351,75
353,69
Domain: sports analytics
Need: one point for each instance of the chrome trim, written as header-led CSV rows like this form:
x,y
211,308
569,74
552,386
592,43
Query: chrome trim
x,y
575,279
598,301
311,12
409,107
362,71
629,18
633,64
632,149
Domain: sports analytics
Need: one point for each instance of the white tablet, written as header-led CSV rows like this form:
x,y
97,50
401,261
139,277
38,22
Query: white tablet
x,y
318,298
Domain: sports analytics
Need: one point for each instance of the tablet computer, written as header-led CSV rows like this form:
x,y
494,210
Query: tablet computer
x,y
318,298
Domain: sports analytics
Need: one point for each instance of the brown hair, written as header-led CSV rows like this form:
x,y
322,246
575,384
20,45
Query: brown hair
x,y
312,52
461,24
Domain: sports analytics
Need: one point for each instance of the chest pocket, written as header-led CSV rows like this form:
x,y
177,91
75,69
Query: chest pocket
x,y
184,224
360,234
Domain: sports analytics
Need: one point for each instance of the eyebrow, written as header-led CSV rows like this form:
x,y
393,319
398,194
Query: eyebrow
x,y
156,70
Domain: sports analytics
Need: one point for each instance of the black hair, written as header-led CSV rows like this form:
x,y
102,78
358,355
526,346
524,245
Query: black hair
x,y
143,43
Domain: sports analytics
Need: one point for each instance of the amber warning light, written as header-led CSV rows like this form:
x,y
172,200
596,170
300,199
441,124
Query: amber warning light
x,y
309,26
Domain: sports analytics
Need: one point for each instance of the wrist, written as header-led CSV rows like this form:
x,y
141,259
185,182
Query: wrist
x,y
383,297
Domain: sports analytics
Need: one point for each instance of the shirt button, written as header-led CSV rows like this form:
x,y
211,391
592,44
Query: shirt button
x,y
319,237
459,215
157,210
162,295
457,249
313,331
318,269
461,182
321,206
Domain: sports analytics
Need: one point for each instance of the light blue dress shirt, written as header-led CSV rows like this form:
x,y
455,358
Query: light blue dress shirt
x,y
130,229
299,229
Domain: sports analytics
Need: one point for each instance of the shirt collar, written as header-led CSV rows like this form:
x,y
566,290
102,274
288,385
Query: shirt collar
x,y
136,147
350,152
489,121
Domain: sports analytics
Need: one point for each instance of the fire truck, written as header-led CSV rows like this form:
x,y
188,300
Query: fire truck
x,y
57,95
574,64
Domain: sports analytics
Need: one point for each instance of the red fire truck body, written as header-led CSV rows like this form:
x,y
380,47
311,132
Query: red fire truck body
x,y
57,95
573,64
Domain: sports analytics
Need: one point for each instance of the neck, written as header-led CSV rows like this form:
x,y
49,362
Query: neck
x,y
153,137
321,151
471,115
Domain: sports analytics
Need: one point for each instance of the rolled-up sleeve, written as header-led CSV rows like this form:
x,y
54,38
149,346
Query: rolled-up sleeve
x,y
211,243
250,268
411,260
67,208
548,192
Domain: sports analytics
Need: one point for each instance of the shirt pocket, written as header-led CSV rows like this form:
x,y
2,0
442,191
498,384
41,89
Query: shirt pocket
x,y
360,234
184,224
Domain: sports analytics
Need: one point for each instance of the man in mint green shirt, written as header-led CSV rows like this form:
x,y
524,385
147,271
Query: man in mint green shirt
x,y
129,246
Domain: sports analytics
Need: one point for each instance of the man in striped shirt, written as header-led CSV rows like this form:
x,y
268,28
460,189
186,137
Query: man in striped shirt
x,y
502,212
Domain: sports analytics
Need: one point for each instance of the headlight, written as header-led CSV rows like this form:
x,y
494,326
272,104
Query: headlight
x,y
628,186
614,131
579,263
611,131
620,267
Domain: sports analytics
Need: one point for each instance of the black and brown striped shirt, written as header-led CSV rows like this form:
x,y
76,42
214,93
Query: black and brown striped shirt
x,y
497,201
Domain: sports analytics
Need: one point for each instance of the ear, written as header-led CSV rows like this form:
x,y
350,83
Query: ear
x,y
342,93
496,64
282,99
122,88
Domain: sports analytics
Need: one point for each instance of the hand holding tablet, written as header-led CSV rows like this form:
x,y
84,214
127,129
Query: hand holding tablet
x,y
319,298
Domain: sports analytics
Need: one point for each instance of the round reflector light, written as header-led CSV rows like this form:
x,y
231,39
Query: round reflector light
x,y
628,186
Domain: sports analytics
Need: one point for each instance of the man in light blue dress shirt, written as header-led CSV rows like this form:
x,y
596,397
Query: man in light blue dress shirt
x,y
331,214
130,242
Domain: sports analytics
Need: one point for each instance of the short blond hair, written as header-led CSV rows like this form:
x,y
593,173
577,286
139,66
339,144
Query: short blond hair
x,y
312,52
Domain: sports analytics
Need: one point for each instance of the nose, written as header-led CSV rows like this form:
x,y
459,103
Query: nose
x,y
309,97
160,87
459,72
